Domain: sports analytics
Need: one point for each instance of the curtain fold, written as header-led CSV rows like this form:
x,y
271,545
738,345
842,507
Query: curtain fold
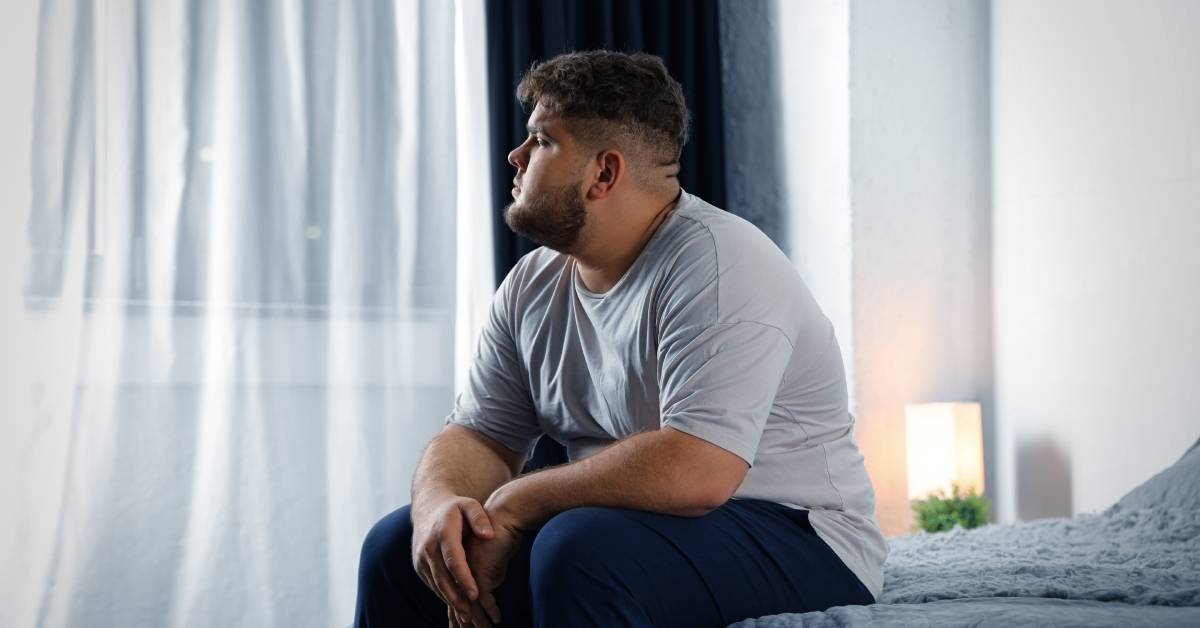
x,y
242,288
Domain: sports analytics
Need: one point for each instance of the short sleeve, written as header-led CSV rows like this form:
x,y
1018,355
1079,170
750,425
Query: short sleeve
x,y
718,382
496,400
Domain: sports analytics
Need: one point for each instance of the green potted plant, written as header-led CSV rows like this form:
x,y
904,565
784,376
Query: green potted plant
x,y
940,512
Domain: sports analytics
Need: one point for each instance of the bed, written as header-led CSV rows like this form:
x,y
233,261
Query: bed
x,y
1135,564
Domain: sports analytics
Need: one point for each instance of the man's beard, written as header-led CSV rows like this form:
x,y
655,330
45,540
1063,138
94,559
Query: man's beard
x,y
552,219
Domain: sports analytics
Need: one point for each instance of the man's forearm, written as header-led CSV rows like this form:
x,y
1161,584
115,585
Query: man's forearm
x,y
456,464
653,471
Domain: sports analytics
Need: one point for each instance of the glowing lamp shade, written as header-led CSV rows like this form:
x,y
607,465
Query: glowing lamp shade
x,y
945,445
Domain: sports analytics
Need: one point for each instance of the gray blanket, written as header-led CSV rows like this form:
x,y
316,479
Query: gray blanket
x,y
1137,563
991,612
1143,556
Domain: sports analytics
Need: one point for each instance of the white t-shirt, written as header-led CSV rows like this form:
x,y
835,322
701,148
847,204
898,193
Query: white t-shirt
x,y
711,331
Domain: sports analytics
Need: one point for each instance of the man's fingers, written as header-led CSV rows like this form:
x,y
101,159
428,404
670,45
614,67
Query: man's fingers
x,y
479,617
449,591
488,601
477,517
427,578
455,558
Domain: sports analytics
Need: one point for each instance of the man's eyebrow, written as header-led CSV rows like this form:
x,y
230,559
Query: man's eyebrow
x,y
538,129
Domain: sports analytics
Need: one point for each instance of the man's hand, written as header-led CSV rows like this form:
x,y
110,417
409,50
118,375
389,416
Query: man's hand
x,y
489,557
439,557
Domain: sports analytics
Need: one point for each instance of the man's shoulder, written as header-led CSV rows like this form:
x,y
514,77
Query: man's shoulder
x,y
728,239
749,276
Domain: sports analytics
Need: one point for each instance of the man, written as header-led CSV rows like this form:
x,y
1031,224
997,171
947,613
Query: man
x,y
675,352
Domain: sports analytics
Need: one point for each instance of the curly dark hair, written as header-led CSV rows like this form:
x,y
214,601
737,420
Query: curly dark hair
x,y
605,96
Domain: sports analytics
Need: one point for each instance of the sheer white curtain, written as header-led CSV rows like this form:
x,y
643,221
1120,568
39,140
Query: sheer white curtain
x,y
238,318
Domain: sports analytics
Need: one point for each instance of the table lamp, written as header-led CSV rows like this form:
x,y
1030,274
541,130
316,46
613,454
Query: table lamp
x,y
945,447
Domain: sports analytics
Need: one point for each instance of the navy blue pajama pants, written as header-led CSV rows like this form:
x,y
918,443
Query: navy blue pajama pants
x,y
614,567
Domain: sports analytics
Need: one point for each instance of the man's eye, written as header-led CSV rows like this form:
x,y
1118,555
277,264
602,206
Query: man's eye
x,y
540,142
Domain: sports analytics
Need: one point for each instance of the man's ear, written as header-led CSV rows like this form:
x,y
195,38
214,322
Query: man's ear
x,y
610,172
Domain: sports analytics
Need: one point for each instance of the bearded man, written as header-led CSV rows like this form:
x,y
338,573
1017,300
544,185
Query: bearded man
x,y
674,351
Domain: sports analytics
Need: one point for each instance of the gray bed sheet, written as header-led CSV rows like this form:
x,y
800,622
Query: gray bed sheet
x,y
1135,564
989,612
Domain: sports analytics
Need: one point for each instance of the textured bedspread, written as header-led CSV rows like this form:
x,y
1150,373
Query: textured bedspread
x,y
989,613
1144,556
1136,564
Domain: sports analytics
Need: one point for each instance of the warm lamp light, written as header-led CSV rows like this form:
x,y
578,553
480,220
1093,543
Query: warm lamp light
x,y
945,446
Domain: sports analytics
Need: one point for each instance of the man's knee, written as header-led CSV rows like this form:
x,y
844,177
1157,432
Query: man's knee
x,y
583,571
387,548
389,591
577,543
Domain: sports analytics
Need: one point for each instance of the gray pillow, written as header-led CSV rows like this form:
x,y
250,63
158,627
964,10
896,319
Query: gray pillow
x,y
1176,486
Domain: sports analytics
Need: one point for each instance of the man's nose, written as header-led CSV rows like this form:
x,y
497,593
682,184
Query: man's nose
x,y
517,158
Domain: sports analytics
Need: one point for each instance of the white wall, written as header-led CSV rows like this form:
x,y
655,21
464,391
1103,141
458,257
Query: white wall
x,y
814,66
920,196
1097,247
887,161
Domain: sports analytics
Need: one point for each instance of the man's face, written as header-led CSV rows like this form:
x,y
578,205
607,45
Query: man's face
x,y
547,205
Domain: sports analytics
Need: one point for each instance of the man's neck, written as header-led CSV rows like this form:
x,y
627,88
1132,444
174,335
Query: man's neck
x,y
604,260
